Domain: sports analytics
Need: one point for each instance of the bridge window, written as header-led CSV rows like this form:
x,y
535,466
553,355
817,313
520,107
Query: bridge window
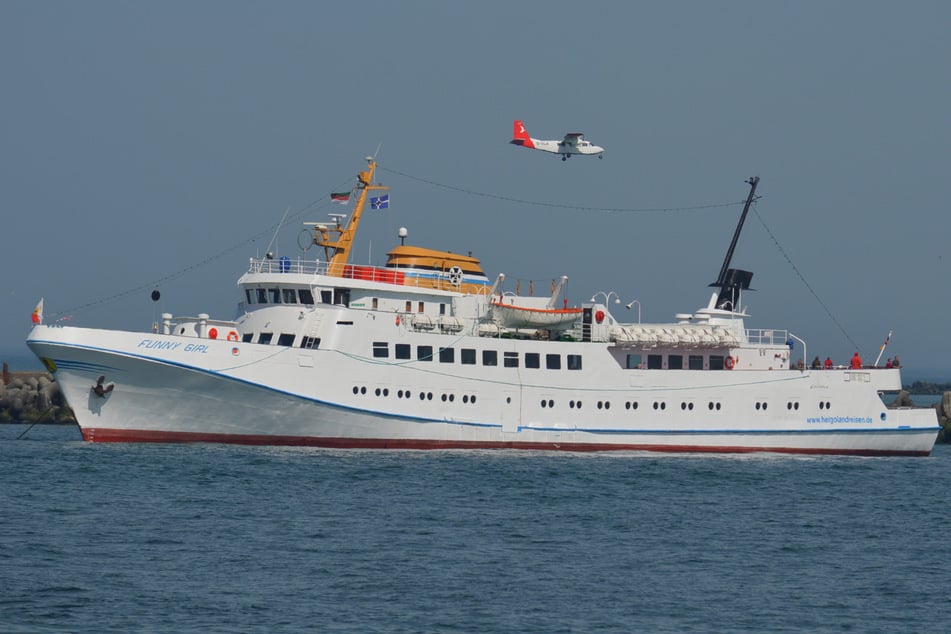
x,y
305,296
342,296
310,342
265,337
275,295
424,353
326,297
262,295
490,357
249,295
247,337
289,296
286,339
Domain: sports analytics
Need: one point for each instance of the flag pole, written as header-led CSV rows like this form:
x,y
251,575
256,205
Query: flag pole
x,y
882,349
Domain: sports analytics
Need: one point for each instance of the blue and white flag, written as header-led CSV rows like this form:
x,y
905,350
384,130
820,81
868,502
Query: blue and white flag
x,y
382,202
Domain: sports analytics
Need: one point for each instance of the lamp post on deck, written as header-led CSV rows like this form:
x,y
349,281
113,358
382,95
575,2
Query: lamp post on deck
x,y
607,297
630,304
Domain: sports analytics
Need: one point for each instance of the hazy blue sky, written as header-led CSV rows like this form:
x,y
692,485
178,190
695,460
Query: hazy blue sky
x,y
138,140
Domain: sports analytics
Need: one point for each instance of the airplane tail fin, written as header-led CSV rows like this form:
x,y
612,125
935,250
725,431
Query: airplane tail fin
x,y
520,135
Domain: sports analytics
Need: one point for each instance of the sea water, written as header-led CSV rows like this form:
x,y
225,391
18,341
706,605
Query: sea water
x,y
202,537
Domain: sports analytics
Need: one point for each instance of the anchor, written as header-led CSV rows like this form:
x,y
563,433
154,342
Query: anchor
x,y
101,391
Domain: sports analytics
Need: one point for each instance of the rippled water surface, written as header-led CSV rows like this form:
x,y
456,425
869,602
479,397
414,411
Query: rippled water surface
x,y
123,537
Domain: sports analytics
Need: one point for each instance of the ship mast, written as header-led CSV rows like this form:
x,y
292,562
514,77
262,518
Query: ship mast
x,y
337,251
731,281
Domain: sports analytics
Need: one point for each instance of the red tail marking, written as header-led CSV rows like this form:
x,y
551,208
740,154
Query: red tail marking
x,y
520,135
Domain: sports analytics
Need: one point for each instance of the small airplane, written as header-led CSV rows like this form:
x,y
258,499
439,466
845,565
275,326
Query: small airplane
x,y
573,143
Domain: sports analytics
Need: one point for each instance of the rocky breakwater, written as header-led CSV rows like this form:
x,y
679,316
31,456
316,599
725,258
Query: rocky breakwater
x,y
942,407
32,397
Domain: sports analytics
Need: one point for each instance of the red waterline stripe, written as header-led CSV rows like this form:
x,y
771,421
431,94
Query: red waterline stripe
x,y
135,435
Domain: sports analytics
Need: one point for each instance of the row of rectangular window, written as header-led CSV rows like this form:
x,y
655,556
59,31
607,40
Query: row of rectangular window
x,y
674,361
469,356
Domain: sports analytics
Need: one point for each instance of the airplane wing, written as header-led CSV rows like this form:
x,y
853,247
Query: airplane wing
x,y
571,139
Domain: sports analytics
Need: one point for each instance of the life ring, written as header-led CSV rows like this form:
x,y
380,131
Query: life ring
x,y
232,336
397,320
729,362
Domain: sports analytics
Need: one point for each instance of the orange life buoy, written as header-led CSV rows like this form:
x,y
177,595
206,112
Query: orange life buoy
x,y
729,362
212,333
397,320
232,336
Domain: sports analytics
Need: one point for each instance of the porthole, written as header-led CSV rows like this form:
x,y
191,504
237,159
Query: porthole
x,y
789,405
443,398
764,406
544,404
656,405
627,405
356,390
422,396
663,405
363,390
399,394
757,405
452,397
429,396
600,405
377,391
690,406
607,404
465,398
472,399
551,403
386,391
710,405
795,405
718,407
683,406
822,405
634,405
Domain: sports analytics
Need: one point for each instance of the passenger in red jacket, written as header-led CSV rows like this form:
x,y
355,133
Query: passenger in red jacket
x,y
856,361
828,363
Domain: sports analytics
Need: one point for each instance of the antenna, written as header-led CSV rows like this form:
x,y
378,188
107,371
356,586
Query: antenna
x,y
279,225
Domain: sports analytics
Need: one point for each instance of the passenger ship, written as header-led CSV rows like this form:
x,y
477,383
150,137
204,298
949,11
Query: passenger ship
x,y
428,353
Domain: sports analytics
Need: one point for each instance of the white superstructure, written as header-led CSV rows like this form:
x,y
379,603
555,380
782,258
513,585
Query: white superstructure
x,y
417,355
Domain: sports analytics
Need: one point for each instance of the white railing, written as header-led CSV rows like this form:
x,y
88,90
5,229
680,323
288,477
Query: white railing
x,y
767,336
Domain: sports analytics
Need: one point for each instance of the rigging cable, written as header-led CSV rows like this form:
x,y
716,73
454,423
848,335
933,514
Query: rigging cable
x,y
556,205
802,278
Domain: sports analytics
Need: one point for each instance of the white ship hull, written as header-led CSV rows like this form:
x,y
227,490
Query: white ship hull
x,y
183,389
